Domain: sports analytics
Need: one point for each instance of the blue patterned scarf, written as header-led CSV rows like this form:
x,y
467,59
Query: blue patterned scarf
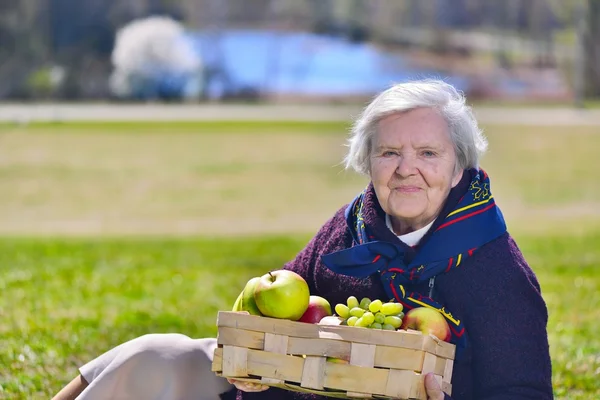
x,y
475,221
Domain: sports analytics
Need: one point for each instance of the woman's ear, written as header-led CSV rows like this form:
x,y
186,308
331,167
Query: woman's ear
x,y
457,177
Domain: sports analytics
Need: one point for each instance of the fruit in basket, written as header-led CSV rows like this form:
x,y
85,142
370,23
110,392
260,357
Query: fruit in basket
x,y
391,308
428,321
364,303
375,306
368,317
336,360
357,312
361,323
245,301
318,308
352,302
370,314
392,320
331,320
282,294
342,310
237,306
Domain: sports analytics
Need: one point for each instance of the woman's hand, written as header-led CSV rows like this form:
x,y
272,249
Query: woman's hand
x,y
433,389
248,386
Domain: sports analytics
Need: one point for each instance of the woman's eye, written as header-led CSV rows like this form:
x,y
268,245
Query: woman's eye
x,y
389,153
428,153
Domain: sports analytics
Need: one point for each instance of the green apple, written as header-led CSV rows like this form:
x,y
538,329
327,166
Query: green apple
x,y
282,294
248,303
237,306
336,360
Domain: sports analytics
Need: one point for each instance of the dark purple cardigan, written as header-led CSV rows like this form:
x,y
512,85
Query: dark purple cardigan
x,y
494,291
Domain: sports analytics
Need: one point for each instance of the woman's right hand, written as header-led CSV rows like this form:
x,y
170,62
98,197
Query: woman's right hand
x,y
247,386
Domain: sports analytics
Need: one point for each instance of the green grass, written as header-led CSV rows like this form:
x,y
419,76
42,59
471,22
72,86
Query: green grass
x,y
567,268
63,302
103,232
243,178
66,301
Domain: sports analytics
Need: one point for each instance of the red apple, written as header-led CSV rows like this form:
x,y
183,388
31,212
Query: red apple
x,y
282,294
318,308
428,321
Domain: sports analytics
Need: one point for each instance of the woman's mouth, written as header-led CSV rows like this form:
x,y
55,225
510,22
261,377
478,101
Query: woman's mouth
x,y
408,189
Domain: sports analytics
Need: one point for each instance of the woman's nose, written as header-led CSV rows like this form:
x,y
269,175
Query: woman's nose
x,y
406,166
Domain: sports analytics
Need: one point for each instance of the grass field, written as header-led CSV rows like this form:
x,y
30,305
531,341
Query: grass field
x,y
111,231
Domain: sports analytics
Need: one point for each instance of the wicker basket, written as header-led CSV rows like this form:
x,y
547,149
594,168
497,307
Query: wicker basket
x,y
306,357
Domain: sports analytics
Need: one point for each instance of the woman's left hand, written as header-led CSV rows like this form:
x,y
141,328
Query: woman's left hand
x,y
433,389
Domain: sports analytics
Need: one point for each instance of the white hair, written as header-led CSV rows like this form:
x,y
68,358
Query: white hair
x,y
469,142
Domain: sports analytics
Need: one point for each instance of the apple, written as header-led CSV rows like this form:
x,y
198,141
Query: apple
x,y
336,360
245,301
428,321
282,294
318,307
237,305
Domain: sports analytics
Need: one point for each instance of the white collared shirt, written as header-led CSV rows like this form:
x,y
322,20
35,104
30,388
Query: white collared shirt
x,y
412,238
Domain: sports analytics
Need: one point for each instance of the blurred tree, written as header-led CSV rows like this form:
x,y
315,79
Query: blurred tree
x,y
82,35
77,36
592,49
23,45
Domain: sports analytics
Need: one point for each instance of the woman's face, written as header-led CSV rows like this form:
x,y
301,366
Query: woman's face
x,y
413,167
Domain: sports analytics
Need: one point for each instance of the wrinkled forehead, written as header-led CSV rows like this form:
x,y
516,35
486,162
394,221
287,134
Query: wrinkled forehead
x,y
417,127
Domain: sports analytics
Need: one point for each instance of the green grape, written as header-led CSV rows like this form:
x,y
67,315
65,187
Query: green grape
x,y
369,317
401,315
361,322
391,308
376,325
388,327
364,303
357,312
375,306
351,321
380,318
352,302
393,321
342,310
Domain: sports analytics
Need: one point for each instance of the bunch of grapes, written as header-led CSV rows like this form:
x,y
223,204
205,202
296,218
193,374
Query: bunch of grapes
x,y
371,314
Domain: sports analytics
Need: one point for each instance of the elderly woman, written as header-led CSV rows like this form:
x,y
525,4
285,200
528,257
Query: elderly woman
x,y
426,231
